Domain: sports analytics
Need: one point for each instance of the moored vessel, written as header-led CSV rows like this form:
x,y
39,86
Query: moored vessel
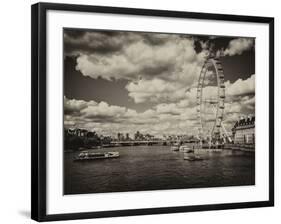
x,y
192,157
202,150
185,148
175,147
96,155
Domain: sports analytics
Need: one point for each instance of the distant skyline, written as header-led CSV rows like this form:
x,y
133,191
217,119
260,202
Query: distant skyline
x,y
133,81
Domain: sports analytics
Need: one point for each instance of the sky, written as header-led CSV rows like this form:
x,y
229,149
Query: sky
x,y
121,81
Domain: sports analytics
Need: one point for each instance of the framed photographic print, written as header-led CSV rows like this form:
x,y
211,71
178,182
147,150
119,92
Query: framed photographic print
x,y
139,111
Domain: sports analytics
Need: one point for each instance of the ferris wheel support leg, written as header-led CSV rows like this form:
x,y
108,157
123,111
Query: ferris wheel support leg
x,y
223,127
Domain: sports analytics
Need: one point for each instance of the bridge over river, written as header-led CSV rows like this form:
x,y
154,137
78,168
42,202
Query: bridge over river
x,y
144,142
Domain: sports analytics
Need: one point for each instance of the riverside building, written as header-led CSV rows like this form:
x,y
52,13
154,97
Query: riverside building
x,y
244,131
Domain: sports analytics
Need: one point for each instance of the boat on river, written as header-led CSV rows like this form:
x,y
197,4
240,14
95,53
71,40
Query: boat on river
x,y
175,147
96,155
202,150
192,157
185,148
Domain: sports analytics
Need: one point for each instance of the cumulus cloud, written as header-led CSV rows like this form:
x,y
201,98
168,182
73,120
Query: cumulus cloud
x,y
100,112
163,118
73,106
110,119
173,59
77,42
158,90
103,110
157,66
171,109
155,90
238,46
241,87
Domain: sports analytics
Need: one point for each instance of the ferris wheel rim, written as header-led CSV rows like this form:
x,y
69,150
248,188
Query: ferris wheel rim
x,y
215,62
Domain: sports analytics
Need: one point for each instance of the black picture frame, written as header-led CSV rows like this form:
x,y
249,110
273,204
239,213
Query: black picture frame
x,y
39,107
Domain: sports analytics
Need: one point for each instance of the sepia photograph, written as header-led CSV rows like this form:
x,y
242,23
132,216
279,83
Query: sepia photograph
x,y
157,111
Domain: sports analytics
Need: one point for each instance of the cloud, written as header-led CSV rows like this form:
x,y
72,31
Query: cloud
x,y
103,110
107,67
73,106
162,91
157,66
241,87
110,119
174,58
238,46
168,109
100,112
164,118
78,42
155,90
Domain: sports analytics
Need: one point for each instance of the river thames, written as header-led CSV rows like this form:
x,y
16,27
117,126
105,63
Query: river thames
x,y
142,168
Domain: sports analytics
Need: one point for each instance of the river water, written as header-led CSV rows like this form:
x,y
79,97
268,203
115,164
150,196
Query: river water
x,y
156,168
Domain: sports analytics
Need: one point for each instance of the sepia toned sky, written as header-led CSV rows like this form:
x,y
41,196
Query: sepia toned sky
x,y
128,81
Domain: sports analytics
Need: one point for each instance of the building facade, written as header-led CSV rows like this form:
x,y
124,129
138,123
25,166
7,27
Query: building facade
x,y
244,131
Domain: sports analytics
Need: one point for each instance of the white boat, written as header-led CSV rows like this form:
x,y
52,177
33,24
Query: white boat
x,y
96,155
185,148
175,147
206,150
192,157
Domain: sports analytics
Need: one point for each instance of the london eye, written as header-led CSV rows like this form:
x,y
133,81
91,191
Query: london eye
x,y
210,107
